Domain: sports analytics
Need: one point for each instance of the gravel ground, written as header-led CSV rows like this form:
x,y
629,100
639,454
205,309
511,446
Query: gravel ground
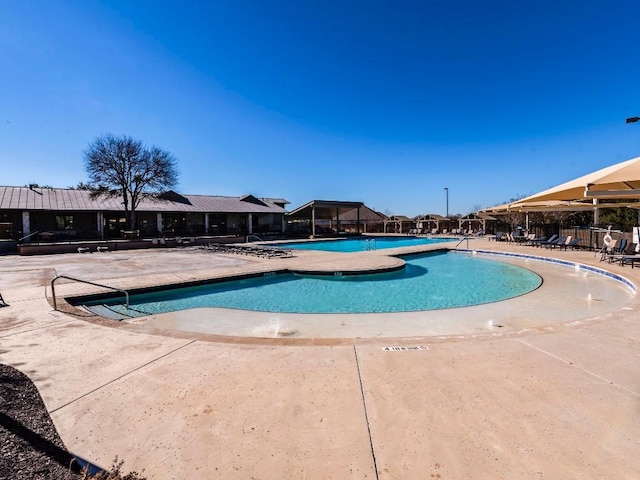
x,y
30,447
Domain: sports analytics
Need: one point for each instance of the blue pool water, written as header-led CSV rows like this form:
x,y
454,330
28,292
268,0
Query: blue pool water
x,y
360,244
429,281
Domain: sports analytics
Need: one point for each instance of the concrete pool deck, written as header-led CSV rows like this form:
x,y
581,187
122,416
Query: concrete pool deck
x,y
558,403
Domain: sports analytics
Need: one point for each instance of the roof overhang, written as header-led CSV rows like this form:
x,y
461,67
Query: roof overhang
x,y
324,209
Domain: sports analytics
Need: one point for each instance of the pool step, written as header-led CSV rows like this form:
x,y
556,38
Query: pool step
x,y
106,311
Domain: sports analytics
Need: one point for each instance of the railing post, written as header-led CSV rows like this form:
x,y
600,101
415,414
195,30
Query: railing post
x,y
53,292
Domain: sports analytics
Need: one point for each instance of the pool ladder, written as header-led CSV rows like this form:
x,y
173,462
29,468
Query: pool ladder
x,y
53,289
369,244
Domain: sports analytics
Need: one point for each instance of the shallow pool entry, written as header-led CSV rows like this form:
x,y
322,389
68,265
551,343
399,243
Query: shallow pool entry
x,y
428,282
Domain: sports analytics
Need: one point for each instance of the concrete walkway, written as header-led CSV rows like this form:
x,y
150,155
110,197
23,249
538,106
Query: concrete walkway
x,y
553,404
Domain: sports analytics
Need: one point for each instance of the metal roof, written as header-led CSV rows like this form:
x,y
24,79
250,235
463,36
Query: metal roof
x,y
61,199
325,209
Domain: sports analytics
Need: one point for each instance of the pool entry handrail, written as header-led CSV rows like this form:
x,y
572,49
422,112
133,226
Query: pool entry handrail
x,y
28,236
53,289
369,244
466,237
254,237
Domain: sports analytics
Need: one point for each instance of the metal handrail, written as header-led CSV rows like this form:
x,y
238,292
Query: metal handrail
x,y
369,244
27,236
466,237
53,289
254,236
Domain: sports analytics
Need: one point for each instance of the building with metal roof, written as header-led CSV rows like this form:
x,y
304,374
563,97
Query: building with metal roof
x,y
42,213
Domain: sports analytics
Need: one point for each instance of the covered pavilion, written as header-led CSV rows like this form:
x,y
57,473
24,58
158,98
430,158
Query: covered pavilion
x,y
329,210
397,221
475,219
367,217
431,219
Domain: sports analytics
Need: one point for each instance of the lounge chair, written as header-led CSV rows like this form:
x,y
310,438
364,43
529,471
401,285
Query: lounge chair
x,y
552,241
541,243
528,239
631,257
561,244
574,243
536,241
518,237
2,302
624,249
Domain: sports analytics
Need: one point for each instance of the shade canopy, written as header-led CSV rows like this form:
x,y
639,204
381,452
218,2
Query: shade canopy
x,y
619,181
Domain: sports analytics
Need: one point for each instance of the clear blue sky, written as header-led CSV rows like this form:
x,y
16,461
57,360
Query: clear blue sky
x,y
386,102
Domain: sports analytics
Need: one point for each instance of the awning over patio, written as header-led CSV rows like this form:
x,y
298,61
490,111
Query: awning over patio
x,y
620,181
325,210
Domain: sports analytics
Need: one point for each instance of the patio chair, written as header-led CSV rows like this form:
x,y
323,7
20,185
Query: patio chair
x,y
631,257
561,244
624,249
574,244
518,237
552,241
535,241
545,240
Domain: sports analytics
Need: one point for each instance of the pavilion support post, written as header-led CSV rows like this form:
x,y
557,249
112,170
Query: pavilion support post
x,y
26,224
206,223
250,223
159,225
358,221
100,224
596,212
313,222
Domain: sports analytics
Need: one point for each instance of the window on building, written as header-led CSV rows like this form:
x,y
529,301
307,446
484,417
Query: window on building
x,y
64,222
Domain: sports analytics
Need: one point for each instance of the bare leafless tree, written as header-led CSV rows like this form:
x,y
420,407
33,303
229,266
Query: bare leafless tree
x,y
124,167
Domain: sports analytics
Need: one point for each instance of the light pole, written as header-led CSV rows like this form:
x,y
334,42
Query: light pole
x,y
446,189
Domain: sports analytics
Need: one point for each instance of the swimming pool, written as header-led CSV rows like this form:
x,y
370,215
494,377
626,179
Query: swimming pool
x,y
428,282
364,243
570,295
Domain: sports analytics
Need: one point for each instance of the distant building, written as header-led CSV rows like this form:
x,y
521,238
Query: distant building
x,y
54,214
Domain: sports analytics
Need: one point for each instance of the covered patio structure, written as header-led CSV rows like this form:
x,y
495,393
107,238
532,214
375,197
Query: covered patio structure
x,y
475,220
616,182
431,221
370,220
397,221
328,210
